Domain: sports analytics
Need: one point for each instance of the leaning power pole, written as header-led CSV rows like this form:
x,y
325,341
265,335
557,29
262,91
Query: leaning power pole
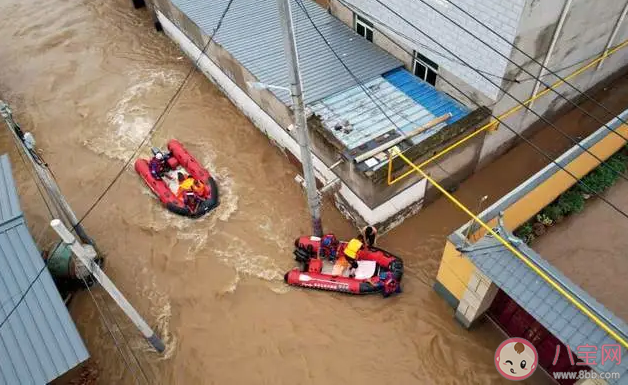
x,y
26,145
86,255
296,90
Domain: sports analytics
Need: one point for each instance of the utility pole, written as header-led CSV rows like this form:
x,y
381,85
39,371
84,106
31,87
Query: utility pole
x,y
86,254
26,144
296,90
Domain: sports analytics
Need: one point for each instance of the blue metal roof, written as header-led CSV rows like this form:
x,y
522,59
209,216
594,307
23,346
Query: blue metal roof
x,y
408,101
436,102
252,33
39,341
544,303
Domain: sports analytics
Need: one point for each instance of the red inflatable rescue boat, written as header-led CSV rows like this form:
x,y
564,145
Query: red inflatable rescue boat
x,y
180,161
323,267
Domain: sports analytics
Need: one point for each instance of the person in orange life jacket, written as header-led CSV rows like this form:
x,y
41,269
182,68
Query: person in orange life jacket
x,y
199,189
369,233
185,190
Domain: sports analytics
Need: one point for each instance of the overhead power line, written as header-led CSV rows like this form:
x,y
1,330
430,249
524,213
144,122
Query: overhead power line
x,y
115,340
162,116
550,124
580,182
530,57
545,120
346,67
592,191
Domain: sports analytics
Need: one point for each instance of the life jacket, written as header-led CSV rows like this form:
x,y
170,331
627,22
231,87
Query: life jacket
x,y
328,247
198,188
155,165
187,183
185,186
351,251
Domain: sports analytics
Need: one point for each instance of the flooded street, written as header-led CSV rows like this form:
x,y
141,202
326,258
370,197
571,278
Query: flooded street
x,y
89,78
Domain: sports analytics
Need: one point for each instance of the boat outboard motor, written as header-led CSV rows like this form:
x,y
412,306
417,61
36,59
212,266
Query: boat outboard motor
x,y
302,255
155,150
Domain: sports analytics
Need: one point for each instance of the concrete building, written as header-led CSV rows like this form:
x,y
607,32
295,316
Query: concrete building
x,y
566,284
561,35
38,340
351,111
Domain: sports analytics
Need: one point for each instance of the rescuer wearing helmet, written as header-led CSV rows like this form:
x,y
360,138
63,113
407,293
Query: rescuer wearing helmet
x,y
158,165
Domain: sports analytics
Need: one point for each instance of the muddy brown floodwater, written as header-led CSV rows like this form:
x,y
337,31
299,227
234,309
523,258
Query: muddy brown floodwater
x,y
89,78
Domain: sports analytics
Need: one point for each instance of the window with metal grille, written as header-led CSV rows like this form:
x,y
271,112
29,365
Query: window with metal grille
x,y
425,69
364,28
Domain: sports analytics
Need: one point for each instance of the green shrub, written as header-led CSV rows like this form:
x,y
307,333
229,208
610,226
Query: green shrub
x,y
524,232
604,176
553,212
571,202
544,219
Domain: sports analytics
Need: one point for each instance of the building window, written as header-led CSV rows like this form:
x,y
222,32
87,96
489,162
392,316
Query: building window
x,y
364,28
425,69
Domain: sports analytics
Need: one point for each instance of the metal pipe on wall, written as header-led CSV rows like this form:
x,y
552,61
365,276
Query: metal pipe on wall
x,y
611,39
550,50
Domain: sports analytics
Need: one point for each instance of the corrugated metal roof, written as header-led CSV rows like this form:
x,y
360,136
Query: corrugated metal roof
x,y
408,101
252,33
39,342
544,303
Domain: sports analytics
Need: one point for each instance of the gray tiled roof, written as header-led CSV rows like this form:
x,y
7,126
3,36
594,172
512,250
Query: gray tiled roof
x,y
39,342
543,302
252,33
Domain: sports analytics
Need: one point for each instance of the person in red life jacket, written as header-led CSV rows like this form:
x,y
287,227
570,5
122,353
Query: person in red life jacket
x,y
158,165
329,247
369,234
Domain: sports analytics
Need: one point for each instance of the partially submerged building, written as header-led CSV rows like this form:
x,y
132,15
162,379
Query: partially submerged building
x,y
357,96
561,35
38,339
571,279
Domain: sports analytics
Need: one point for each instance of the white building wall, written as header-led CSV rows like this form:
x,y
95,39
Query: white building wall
x,y
502,16
584,35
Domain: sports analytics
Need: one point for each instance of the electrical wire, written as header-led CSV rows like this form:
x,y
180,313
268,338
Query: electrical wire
x,y
423,46
113,337
534,60
550,124
124,339
545,120
161,117
519,135
302,6
355,78
353,8
580,182
30,286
